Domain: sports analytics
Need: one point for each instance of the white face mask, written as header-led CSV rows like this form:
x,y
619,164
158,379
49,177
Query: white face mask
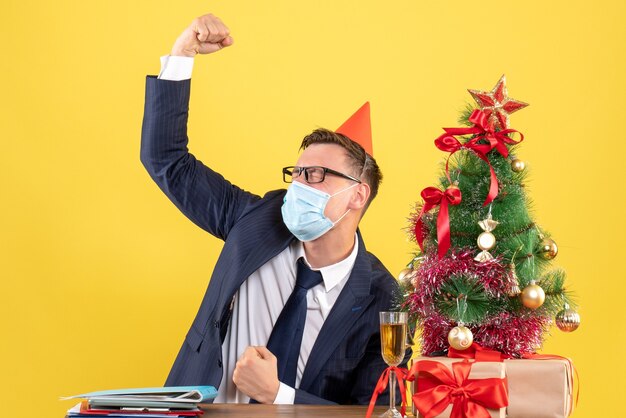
x,y
303,211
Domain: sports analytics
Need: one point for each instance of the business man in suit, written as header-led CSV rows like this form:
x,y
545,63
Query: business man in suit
x,y
239,342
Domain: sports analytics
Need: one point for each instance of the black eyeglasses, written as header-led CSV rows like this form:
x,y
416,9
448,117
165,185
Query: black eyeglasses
x,y
313,174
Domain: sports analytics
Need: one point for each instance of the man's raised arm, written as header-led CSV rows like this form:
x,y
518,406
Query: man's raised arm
x,y
203,195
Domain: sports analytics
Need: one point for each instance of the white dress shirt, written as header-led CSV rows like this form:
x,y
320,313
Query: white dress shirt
x,y
176,68
258,304
261,298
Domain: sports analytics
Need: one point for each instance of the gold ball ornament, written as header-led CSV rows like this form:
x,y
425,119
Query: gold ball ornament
x,y
548,249
404,274
460,337
518,165
567,320
533,296
453,186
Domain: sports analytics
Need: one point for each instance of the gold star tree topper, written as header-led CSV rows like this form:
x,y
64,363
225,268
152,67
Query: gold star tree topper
x,y
497,104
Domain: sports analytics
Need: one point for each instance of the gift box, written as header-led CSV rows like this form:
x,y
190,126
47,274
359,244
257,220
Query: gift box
x,y
467,385
539,388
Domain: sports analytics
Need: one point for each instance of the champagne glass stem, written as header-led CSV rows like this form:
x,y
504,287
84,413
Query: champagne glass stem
x,y
392,390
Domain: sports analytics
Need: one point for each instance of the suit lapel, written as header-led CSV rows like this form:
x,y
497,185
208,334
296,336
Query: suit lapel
x,y
350,305
255,241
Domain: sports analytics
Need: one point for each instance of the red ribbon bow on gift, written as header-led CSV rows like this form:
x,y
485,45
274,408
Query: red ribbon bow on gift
x,y
434,197
382,385
438,388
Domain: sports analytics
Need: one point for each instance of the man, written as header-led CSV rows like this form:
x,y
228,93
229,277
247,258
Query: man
x,y
260,333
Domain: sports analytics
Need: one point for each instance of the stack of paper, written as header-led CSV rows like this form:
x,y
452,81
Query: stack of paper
x,y
163,402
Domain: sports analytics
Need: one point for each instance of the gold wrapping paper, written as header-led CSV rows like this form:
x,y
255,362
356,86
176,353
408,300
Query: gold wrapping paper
x,y
539,388
480,370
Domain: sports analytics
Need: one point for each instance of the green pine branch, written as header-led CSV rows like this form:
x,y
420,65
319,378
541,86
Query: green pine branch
x,y
463,299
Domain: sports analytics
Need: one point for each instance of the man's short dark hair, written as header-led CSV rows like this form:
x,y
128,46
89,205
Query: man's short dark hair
x,y
364,166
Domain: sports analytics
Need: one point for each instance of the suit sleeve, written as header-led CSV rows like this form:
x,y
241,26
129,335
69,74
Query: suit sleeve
x,y
303,397
203,195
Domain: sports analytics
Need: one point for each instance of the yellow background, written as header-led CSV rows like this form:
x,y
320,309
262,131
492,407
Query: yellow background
x,y
101,275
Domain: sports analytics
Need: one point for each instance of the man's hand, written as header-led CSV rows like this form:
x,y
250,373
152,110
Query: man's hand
x,y
205,35
256,374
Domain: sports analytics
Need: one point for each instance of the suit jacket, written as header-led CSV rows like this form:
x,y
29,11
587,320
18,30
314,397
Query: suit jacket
x,y
345,362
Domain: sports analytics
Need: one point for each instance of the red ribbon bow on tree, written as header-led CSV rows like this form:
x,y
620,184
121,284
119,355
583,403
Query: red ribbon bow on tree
x,y
382,385
482,129
449,143
485,130
434,197
438,388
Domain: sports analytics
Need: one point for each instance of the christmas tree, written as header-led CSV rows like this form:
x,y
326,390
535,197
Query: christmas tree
x,y
483,271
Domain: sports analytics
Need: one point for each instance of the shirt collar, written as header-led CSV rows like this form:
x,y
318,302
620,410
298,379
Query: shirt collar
x,y
332,275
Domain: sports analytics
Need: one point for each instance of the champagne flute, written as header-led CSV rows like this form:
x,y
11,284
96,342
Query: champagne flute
x,y
393,336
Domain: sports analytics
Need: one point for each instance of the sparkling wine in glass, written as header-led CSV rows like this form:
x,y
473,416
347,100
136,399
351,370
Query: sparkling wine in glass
x,y
393,339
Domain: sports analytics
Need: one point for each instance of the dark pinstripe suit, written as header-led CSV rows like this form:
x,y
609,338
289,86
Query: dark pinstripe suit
x,y
345,362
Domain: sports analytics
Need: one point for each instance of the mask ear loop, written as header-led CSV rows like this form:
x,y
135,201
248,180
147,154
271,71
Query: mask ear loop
x,y
341,191
341,217
347,188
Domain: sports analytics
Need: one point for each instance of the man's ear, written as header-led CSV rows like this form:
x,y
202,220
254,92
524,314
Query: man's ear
x,y
359,199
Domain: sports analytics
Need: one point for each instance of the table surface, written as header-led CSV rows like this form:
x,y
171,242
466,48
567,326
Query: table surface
x,y
286,411
270,411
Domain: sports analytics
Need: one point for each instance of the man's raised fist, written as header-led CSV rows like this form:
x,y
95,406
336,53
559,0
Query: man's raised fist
x,y
205,35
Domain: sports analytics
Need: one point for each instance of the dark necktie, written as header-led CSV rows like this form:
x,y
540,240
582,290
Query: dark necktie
x,y
286,336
